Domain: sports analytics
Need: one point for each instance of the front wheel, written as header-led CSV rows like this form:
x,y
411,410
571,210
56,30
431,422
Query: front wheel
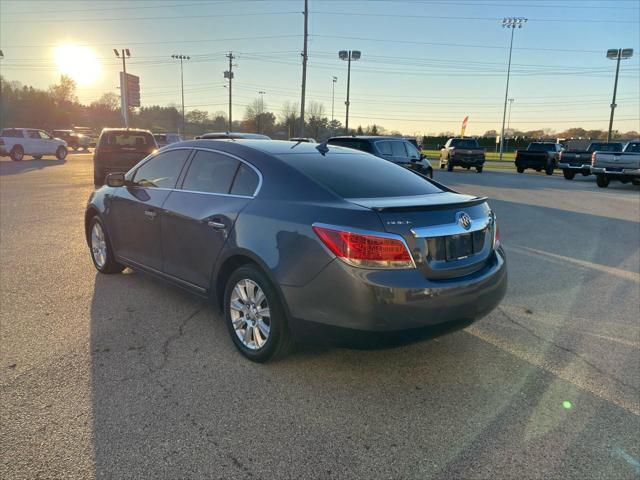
x,y
568,174
602,181
520,169
61,153
255,316
101,251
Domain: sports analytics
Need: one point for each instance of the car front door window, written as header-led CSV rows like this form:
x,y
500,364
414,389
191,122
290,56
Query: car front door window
x,y
161,171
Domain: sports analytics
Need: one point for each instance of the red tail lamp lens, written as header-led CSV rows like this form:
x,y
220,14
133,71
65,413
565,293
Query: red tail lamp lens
x,y
366,250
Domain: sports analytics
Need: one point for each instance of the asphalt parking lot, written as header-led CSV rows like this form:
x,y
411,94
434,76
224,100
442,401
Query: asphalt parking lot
x,y
123,377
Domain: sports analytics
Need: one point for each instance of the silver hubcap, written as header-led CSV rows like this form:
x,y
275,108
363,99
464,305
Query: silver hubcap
x,y
98,245
250,314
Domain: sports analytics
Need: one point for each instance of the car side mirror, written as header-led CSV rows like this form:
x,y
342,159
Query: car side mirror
x,y
423,156
115,179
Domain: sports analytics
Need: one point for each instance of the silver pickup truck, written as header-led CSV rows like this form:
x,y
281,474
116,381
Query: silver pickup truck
x,y
623,166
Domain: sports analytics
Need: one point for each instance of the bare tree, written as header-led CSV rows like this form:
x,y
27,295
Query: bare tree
x,y
289,117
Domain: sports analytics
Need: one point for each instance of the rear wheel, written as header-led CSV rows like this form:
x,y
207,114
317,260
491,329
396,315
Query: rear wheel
x,y
568,174
17,153
520,169
449,166
101,251
61,153
548,170
255,316
479,169
602,181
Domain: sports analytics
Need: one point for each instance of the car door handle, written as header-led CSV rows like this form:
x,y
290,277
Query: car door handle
x,y
216,225
150,214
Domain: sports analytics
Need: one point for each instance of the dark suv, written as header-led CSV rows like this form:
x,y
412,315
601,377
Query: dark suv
x,y
119,149
395,149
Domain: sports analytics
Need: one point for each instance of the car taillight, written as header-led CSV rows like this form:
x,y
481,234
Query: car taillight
x,y
593,158
560,155
364,250
496,233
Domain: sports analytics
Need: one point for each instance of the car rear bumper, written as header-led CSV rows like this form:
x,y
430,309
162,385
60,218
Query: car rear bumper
x,y
394,300
582,167
468,161
531,163
626,172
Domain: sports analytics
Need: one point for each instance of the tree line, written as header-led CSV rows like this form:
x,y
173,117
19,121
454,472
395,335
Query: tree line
x,y
58,107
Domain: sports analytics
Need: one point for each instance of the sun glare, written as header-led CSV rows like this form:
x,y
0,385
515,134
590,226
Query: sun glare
x,y
78,62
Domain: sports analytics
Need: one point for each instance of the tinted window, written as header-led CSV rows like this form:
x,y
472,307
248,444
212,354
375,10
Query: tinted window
x,y
542,147
464,143
12,133
44,135
384,147
605,147
33,134
633,147
161,171
246,181
210,172
128,141
357,175
397,149
355,143
412,151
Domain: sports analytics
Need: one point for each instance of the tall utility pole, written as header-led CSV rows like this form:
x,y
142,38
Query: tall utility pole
x,y
229,74
512,23
181,58
261,115
124,100
304,67
616,54
1,109
348,55
509,118
333,96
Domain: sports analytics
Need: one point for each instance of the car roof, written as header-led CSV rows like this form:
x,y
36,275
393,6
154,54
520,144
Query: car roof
x,y
272,147
131,130
368,137
238,135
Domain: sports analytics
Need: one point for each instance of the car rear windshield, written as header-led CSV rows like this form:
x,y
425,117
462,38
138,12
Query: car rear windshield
x,y
464,143
359,175
140,141
605,147
355,143
542,147
11,133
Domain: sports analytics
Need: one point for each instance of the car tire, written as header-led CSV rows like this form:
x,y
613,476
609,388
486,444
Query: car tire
x,y
568,174
602,181
17,153
100,248
61,153
442,165
449,166
37,157
520,169
478,169
246,325
548,170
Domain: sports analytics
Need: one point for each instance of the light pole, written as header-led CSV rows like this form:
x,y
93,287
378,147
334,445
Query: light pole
x,y
348,55
229,74
181,58
616,54
124,94
261,93
512,23
509,118
333,97
1,109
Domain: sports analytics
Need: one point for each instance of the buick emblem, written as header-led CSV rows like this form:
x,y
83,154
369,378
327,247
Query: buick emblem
x,y
464,220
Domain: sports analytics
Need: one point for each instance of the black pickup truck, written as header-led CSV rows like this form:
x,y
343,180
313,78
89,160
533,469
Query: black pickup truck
x,y
538,156
579,161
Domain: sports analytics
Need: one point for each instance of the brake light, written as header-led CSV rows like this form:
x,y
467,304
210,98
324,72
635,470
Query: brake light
x,y
593,158
496,233
368,251
560,155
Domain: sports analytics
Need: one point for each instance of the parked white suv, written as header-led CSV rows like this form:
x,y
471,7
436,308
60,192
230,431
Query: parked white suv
x,y
18,142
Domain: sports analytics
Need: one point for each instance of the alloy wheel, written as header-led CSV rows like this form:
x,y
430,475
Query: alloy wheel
x,y
250,314
98,245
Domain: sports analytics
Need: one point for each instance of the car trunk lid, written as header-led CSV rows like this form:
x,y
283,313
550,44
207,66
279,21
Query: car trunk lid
x,y
449,235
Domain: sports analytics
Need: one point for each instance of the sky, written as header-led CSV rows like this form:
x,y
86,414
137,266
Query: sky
x,y
425,65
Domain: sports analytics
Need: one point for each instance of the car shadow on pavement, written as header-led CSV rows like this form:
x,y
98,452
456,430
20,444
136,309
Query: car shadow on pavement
x,y
23,166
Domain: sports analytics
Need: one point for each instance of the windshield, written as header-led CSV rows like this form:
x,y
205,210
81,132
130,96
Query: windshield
x,y
464,143
605,147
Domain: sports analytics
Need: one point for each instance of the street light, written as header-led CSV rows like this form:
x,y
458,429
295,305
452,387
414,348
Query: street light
x,y
512,23
261,93
616,54
181,58
333,96
124,94
348,55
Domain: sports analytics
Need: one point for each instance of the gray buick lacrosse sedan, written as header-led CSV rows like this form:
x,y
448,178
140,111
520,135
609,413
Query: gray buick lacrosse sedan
x,y
283,238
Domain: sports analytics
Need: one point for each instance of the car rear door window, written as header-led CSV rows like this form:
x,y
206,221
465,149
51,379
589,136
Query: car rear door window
x,y
210,172
12,133
397,149
246,181
161,171
384,148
